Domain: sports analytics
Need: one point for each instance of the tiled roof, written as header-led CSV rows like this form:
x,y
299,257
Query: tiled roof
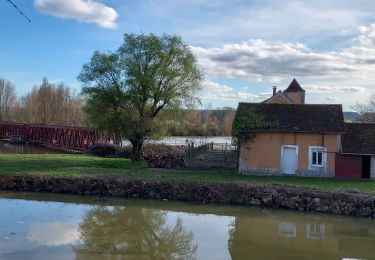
x,y
359,138
296,118
294,86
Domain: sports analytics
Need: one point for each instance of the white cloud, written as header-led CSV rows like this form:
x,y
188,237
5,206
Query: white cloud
x,y
82,10
220,92
333,88
333,99
346,70
367,36
256,59
55,233
211,86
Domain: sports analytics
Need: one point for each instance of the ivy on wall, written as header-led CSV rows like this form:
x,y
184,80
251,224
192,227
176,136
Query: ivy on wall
x,y
246,120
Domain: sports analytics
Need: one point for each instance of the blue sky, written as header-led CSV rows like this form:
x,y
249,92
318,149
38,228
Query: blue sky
x,y
243,47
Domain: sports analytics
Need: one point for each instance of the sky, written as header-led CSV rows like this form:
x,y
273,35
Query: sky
x,y
243,47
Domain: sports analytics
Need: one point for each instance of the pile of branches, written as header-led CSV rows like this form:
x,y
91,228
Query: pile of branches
x,y
164,156
156,155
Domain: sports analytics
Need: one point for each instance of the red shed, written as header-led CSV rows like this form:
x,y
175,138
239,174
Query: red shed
x,y
357,160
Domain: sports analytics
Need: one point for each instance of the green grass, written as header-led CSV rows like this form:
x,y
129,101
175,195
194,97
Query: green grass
x,y
64,165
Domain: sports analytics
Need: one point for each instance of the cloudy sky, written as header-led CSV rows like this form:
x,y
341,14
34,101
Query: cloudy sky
x,y
243,47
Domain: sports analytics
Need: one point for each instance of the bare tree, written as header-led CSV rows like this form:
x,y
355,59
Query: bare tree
x,y
7,100
52,104
366,111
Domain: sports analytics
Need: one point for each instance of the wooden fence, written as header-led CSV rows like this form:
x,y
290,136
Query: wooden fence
x,y
211,155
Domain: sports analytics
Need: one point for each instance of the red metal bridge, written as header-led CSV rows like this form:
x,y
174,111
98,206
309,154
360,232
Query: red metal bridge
x,y
67,137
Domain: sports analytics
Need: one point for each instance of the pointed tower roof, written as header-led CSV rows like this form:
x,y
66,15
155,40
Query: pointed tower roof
x,y
294,86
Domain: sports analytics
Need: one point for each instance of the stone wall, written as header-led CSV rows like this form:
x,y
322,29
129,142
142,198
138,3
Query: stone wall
x,y
298,199
276,172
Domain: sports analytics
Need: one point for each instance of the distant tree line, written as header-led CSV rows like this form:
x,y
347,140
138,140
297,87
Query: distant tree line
x,y
46,103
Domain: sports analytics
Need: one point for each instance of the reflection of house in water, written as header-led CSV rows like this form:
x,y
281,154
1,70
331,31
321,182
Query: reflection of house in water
x,y
287,229
315,231
257,237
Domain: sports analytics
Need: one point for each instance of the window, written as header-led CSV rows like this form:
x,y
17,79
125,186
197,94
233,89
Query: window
x,y
317,157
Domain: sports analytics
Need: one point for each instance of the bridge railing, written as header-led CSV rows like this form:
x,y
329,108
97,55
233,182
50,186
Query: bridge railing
x,y
69,137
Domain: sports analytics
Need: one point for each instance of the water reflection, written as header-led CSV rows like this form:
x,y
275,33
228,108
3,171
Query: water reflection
x,y
42,226
133,232
315,231
284,236
287,229
54,233
7,148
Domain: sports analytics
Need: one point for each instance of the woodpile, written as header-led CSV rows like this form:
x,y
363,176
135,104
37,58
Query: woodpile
x,y
156,155
164,156
103,150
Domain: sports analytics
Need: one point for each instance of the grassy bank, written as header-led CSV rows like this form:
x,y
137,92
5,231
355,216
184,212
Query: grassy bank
x,y
81,165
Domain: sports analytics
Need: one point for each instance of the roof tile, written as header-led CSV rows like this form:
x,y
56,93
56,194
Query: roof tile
x,y
297,117
359,138
294,86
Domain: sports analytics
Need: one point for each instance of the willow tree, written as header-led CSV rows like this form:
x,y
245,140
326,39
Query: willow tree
x,y
126,90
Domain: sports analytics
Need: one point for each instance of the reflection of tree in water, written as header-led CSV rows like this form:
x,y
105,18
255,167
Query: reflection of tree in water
x,y
133,233
231,240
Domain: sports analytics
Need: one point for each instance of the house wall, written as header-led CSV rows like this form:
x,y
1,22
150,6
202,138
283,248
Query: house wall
x,y
372,171
263,154
297,97
277,100
348,166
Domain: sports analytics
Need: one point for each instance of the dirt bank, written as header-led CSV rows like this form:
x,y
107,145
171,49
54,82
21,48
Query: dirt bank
x,y
362,205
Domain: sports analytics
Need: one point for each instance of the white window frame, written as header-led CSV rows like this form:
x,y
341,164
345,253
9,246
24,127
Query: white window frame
x,y
321,149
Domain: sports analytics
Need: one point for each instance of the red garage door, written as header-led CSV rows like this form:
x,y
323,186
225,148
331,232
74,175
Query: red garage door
x,y
348,166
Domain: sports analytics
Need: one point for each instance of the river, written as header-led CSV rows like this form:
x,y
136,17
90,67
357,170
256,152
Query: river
x,y
220,141
182,140
46,226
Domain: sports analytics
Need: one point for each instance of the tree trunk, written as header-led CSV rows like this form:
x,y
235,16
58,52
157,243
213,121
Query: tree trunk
x,y
137,153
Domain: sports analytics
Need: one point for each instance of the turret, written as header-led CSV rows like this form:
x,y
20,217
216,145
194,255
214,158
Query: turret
x,y
295,92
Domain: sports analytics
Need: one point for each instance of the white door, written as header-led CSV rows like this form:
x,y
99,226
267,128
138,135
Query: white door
x,y
289,159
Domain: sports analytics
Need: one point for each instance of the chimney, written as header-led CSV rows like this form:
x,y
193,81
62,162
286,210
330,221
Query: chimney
x,y
274,90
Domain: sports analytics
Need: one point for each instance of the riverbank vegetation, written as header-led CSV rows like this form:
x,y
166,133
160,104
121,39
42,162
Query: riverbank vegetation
x,y
89,166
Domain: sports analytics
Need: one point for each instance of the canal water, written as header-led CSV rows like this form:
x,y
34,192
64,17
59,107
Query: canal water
x,y
45,226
